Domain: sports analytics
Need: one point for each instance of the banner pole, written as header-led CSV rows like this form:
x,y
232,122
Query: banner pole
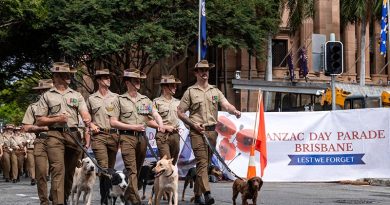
x,y
199,24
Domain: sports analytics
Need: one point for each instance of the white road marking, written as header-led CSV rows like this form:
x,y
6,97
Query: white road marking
x,y
22,195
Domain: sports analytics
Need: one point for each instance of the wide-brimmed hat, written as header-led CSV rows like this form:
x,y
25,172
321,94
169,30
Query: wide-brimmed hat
x,y
204,64
102,72
18,128
9,126
62,67
133,73
169,79
44,84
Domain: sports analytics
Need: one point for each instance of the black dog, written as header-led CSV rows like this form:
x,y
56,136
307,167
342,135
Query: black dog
x,y
214,172
146,177
112,186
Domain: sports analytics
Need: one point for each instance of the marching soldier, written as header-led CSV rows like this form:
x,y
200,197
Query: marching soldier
x,y
132,112
202,101
58,109
19,153
39,172
168,143
8,169
105,140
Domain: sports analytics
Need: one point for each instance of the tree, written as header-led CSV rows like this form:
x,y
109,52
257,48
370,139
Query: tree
x,y
359,11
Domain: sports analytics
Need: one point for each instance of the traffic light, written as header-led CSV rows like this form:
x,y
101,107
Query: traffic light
x,y
333,58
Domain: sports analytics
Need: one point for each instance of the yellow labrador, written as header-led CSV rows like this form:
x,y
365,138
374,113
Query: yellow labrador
x,y
83,180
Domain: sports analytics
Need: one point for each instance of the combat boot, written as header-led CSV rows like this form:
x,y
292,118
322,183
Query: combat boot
x,y
208,199
198,200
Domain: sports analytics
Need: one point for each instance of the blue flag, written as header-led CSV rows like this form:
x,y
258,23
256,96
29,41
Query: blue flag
x,y
384,25
203,36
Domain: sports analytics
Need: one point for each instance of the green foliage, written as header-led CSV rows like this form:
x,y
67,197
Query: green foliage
x,y
299,10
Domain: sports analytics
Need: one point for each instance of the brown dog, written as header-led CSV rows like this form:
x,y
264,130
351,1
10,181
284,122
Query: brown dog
x,y
248,189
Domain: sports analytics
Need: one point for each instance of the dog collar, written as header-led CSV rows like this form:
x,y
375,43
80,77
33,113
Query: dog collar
x,y
170,174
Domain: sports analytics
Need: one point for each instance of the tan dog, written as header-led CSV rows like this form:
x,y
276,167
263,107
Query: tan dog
x,y
247,188
83,180
166,181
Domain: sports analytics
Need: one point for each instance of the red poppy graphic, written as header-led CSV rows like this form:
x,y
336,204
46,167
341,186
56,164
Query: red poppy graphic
x,y
226,149
245,140
225,127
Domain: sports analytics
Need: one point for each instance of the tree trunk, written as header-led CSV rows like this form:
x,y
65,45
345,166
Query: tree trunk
x,y
363,53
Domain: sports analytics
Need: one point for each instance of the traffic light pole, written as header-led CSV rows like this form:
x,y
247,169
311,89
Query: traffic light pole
x,y
333,82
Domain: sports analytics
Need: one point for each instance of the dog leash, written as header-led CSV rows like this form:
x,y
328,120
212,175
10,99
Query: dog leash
x,y
150,147
103,170
219,157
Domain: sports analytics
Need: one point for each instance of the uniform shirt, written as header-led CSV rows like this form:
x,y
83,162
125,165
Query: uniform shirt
x,y
99,106
202,104
1,139
129,112
18,140
29,115
167,110
54,103
30,138
7,139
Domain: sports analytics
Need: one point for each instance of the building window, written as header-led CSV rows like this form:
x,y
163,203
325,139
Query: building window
x,y
279,52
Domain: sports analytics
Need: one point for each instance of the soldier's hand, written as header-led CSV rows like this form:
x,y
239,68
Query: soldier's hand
x,y
139,127
63,118
169,128
95,129
237,114
161,129
199,127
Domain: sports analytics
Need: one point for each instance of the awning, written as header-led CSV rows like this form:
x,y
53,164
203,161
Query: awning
x,y
275,86
308,87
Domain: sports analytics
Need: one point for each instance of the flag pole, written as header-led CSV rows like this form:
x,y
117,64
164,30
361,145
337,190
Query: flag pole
x,y
257,119
388,25
199,37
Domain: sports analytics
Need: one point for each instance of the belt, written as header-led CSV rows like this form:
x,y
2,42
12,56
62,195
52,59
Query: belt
x,y
209,128
63,129
109,130
131,132
42,135
30,148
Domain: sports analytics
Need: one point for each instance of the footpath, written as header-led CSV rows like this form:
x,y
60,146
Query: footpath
x,y
368,181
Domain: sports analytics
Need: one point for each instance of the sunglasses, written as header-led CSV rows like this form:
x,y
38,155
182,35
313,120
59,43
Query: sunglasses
x,y
201,70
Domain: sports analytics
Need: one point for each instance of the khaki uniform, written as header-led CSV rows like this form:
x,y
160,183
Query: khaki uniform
x,y
133,143
104,144
19,153
168,143
7,159
40,169
203,107
63,152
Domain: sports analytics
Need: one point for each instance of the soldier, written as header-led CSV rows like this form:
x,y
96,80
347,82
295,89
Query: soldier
x,y
20,151
105,140
168,143
8,169
39,171
132,112
58,109
202,101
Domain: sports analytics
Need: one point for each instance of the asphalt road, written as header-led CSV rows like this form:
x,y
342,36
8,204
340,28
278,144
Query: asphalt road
x,y
23,193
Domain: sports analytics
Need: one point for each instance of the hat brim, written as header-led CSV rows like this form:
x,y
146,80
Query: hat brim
x,y
41,88
176,82
211,65
140,77
72,70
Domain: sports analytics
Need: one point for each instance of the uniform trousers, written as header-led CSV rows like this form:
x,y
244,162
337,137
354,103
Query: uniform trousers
x,y
203,156
30,163
168,144
41,169
6,160
133,153
105,148
63,154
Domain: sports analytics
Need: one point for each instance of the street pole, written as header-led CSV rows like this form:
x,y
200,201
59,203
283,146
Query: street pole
x,y
333,78
199,29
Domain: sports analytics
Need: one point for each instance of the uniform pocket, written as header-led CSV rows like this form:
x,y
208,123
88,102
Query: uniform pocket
x,y
54,109
127,114
163,113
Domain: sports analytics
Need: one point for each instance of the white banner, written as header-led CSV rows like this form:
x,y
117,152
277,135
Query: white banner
x,y
304,146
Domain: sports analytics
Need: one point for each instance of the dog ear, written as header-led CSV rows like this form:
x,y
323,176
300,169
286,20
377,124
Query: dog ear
x,y
170,161
79,163
260,183
164,157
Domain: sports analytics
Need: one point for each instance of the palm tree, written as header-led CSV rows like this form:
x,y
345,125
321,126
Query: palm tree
x,y
359,11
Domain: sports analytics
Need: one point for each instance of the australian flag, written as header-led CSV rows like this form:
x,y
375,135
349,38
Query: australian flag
x,y
384,28
203,36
